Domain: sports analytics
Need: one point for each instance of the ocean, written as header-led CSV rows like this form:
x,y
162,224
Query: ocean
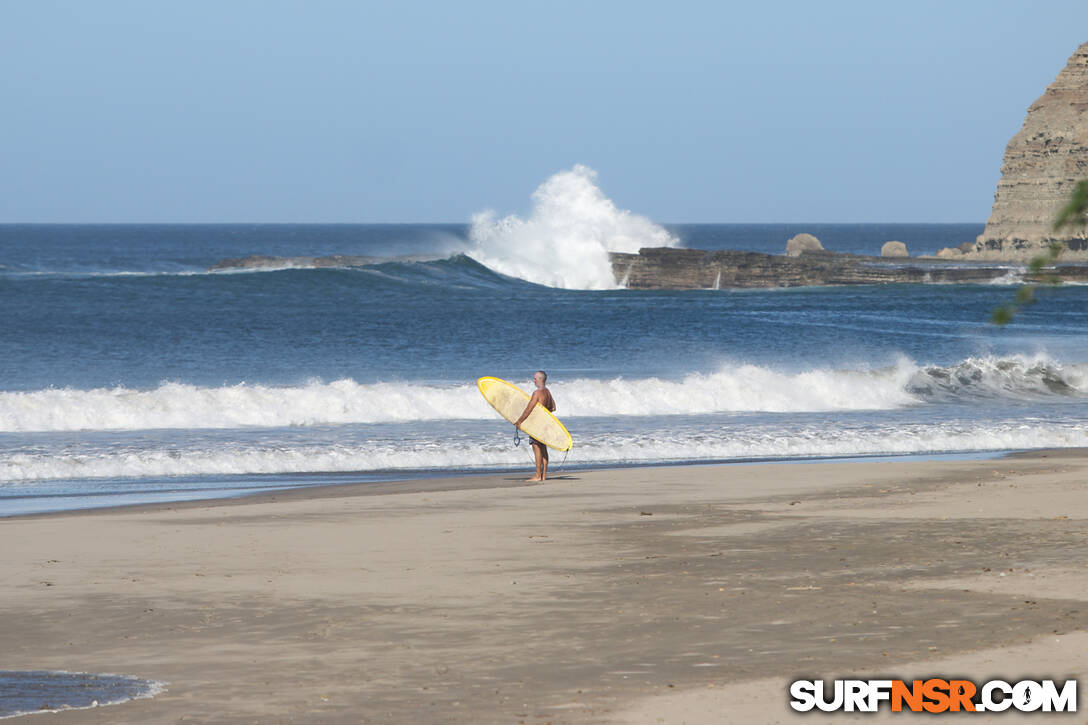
x,y
131,374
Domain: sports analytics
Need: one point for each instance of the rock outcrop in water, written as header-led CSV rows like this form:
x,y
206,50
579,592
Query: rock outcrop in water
x,y
894,249
672,268
802,243
1042,164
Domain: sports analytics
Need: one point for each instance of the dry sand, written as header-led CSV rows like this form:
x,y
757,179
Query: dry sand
x,y
651,595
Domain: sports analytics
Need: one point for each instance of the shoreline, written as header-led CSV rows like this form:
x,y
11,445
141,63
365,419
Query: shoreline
x,y
483,480
583,600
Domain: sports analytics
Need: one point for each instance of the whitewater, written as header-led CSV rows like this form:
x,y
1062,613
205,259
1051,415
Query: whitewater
x,y
566,240
480,450
740,388
131,373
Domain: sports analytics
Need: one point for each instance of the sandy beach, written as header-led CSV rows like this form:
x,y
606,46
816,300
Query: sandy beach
x,y
686,594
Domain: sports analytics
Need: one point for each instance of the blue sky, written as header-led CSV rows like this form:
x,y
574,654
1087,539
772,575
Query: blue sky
x,y
427,112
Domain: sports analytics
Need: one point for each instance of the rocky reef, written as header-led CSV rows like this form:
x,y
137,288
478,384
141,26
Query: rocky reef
x,y
672,268
1042,164
264,261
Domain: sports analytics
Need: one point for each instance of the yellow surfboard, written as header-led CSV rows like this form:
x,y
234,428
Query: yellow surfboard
x,y
510,401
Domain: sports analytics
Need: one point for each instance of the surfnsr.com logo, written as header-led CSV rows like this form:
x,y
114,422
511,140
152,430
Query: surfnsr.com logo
x,y
934,695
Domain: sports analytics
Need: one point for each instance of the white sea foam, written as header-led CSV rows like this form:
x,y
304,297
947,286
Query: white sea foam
x,y
495,451
178,405
566,239
733,388
1012,277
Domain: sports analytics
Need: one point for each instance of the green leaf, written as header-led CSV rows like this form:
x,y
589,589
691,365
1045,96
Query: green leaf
x,y
1025,295
1075,212
1003,315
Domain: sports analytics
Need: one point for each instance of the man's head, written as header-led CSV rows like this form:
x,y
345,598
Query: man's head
x,y
540,377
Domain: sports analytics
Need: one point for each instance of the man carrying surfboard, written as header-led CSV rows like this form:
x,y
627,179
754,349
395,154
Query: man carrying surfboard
x,y
537,418
543,396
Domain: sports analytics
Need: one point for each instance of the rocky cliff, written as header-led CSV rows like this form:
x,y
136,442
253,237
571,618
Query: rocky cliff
x,y
1042,164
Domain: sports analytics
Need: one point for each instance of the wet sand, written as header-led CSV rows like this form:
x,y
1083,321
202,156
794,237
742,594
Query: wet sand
x,y
675,594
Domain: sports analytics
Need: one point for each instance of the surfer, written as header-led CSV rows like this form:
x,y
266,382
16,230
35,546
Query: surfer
x,y
543,396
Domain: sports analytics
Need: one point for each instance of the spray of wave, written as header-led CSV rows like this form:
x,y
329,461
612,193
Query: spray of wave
x,y
740,388
566,240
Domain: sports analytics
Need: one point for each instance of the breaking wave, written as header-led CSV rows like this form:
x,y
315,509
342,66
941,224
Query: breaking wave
x,y
566,239
733,388
1016,377
489,450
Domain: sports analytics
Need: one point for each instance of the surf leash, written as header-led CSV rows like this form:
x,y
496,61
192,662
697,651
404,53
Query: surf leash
x,y
559,466
517,442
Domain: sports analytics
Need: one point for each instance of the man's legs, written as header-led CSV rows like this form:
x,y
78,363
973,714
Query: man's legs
x,y
538,453
542,467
